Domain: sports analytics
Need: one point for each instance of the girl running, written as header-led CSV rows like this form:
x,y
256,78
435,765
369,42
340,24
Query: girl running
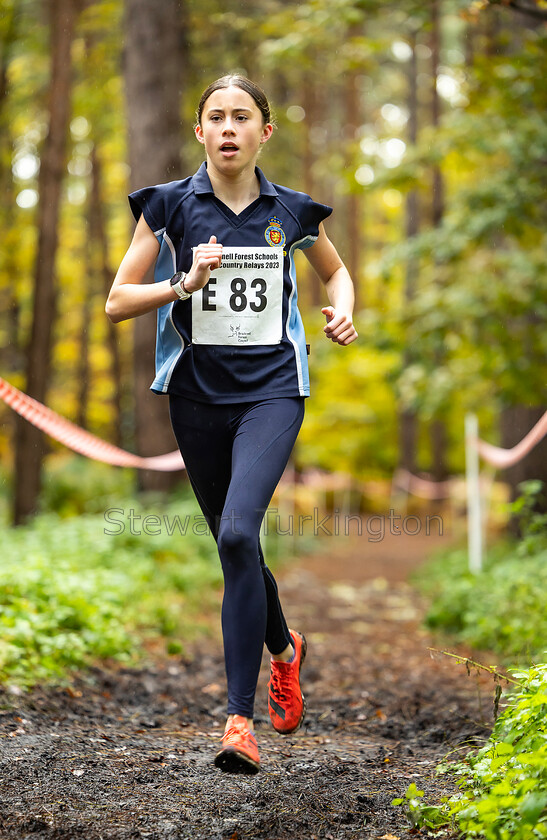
x,y
231,355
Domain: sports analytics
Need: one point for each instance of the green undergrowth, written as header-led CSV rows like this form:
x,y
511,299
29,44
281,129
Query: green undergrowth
x,y
76,589
98,574
502,787
502,608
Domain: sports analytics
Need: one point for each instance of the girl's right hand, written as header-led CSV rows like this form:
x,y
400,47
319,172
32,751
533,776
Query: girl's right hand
x,y
207,257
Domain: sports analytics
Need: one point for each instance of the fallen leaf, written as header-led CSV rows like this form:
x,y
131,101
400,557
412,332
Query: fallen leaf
x,y
212,688
78,772
388,837
72,692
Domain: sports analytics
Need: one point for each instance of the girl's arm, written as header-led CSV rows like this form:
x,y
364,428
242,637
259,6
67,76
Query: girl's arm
x,y
130,297
325,260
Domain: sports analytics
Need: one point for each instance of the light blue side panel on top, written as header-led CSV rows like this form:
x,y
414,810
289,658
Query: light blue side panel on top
x,y
295,327
169,342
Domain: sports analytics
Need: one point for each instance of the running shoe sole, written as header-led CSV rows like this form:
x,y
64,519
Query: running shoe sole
x,y
303,652
230,760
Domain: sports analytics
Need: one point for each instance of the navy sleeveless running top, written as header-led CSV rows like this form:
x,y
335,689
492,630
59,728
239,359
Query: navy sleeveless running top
x,y
241,338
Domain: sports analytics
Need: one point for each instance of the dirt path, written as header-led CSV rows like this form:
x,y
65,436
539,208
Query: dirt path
x,y
127,755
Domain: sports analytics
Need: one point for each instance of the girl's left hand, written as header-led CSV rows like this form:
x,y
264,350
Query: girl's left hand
x,y
339,327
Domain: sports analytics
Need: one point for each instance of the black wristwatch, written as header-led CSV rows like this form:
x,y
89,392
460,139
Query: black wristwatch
x,y
177,283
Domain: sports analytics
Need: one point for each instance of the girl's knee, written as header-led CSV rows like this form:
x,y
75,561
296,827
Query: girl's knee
x,y
235,546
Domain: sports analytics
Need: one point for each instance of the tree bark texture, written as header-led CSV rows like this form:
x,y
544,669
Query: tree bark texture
x,y
408,426
438,432
154,61
102,268
353,208
516,422
311,107
29,442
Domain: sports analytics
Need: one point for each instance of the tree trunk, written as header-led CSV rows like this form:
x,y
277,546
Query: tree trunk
x,y
9,305
439,446
516,421
103,268
83,368
29,442
10,352
311,107
154,64
8,42
354,199
493,27
438,434
407,418
435,42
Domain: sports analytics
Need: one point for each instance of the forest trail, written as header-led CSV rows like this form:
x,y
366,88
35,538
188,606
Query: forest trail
x,y
125,755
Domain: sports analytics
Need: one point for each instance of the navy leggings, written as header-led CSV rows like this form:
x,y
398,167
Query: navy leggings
x,y
235,456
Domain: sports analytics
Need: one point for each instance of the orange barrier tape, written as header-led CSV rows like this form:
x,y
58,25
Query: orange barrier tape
x,y
502,458
422,487
496,456
78,439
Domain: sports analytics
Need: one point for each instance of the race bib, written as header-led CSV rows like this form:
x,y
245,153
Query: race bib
x,y
242,302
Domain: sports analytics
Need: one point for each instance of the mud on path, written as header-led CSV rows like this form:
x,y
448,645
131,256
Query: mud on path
x,y
127,755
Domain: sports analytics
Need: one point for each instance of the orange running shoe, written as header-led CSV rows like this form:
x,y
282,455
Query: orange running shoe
x,y
239,753
286,703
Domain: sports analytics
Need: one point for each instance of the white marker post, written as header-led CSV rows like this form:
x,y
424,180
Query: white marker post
x,y
474,522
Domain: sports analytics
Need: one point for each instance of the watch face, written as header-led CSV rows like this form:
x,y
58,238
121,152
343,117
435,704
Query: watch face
x,y
176,277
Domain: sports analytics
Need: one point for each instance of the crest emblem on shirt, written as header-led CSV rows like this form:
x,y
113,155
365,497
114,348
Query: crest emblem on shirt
x,y
274,234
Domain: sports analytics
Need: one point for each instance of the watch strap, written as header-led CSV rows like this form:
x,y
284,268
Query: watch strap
x,y
177,284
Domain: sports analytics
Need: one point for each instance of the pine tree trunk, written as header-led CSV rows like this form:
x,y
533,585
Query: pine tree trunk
x,y
354,200
516,421
438,433
9,308
86,314
408,430
29,442
154,64
103,268
311,107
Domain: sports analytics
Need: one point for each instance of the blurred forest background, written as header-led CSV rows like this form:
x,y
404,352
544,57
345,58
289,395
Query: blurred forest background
x,y
423,124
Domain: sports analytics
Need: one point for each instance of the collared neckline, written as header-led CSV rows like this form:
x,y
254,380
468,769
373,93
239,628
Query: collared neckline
x,y
202,183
